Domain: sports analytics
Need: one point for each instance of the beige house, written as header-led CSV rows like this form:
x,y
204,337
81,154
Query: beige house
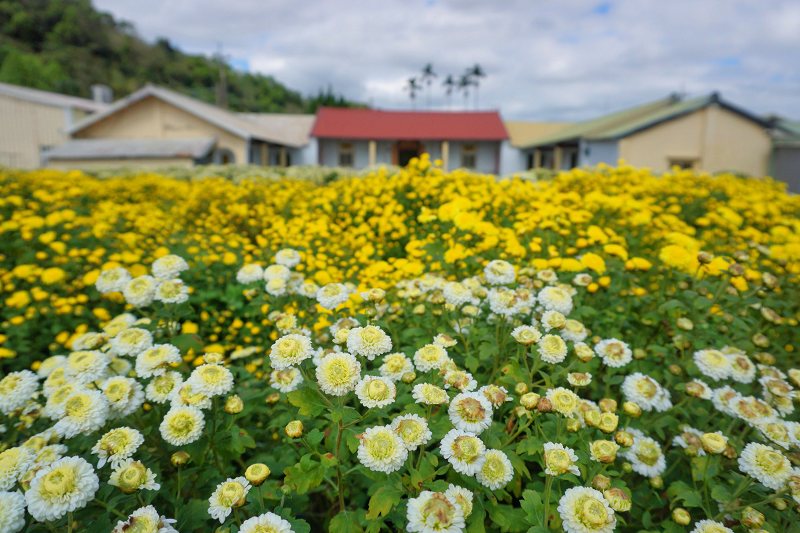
x,y
704,133
32,120
159,127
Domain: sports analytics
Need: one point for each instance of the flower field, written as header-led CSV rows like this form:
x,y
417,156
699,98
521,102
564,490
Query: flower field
x,y
405,350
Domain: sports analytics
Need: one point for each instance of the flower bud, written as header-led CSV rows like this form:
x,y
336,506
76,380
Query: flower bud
x,y
180,458
685,324
657,482
408,377
627,467
779,504
751,518
257,473
212,358
604,451
624,439
573,425
529,400
132,477
704,258
544,405
714,443
601,482
675,370
273,398
521,388
294,429
736,270
760,340
695,389
592,418
618,499
608,405
608,422
233,405
681,516
632,409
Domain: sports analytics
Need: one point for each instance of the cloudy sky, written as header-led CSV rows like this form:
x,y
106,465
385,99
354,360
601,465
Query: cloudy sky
x,y
544,59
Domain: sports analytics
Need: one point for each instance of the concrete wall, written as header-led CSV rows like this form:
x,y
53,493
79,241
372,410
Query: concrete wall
x,y
27,127
153,119
96,164
786,166
512,159
593,153
715,138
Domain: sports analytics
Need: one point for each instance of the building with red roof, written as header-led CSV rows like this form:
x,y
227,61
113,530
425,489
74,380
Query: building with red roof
x,y
367,137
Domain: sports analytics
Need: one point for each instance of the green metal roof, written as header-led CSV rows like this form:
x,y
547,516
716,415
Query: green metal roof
x,y
631,120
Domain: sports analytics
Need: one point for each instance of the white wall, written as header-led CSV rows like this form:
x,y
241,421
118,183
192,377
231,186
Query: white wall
x,y
593,153
512,159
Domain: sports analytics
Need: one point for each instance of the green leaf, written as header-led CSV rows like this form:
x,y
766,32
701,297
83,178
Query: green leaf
x,y
305,475
682,492
307,401
345,522
533,506
382,502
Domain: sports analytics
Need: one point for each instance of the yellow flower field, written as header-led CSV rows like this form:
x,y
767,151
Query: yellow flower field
x,y
408,350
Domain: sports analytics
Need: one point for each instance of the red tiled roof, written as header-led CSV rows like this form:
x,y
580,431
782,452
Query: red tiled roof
x,y
372,124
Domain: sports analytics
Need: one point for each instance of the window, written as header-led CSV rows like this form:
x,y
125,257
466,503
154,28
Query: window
x,y
346,155
223,156
468,156
683,163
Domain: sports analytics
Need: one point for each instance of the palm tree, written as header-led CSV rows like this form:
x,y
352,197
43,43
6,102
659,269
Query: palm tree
x,y
449,84
476,73
427,78
413,87
464,83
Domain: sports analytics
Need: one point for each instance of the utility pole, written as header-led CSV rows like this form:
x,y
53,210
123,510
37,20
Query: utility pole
x,y
222,82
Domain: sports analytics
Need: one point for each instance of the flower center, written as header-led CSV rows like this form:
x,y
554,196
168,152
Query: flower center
x,y
377,390
592,513
439,510
466,449
231,493
471,410
59,482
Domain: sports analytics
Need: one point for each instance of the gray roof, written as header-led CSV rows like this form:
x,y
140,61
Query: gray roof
x,y
234,123
296,129
132,148
50,99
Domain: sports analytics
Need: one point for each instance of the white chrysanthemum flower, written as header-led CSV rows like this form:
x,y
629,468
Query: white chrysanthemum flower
x,y
182,425
445,341
710,526
457,294
496,470
395,366
459,379
112,280
779,432
499,272
49,455
753,410
369,342
332,295
229,494
374,391
645,456
497,395
742,368
382,450
288,257
428,394
250,273
171,291
266,523
700,389
118,323
129,476
119,366
646,392
140,291
131,341
211,380
724,399
86,366
614,352
526,335
713,364
413,430
470,412
551,320
461,497
54,408
434,512
585,510
564,401
186,395
90,340
548,275
169,266
766,464
560,459
290,350
117,445
276,287
157,360
14,462
504,302
286,380
12,512
161,387
555,299
85,411
464,451
552,349
64,486
51,364
430,357
338,373
145,520
574,331
16,389
124,395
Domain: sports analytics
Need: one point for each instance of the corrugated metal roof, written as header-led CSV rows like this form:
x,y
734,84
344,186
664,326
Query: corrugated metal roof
x,y
295,129
373,124
132,148
522,133
229,121
631,120
50,99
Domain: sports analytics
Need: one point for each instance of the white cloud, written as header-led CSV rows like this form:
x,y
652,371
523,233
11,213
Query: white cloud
x,y
545,59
